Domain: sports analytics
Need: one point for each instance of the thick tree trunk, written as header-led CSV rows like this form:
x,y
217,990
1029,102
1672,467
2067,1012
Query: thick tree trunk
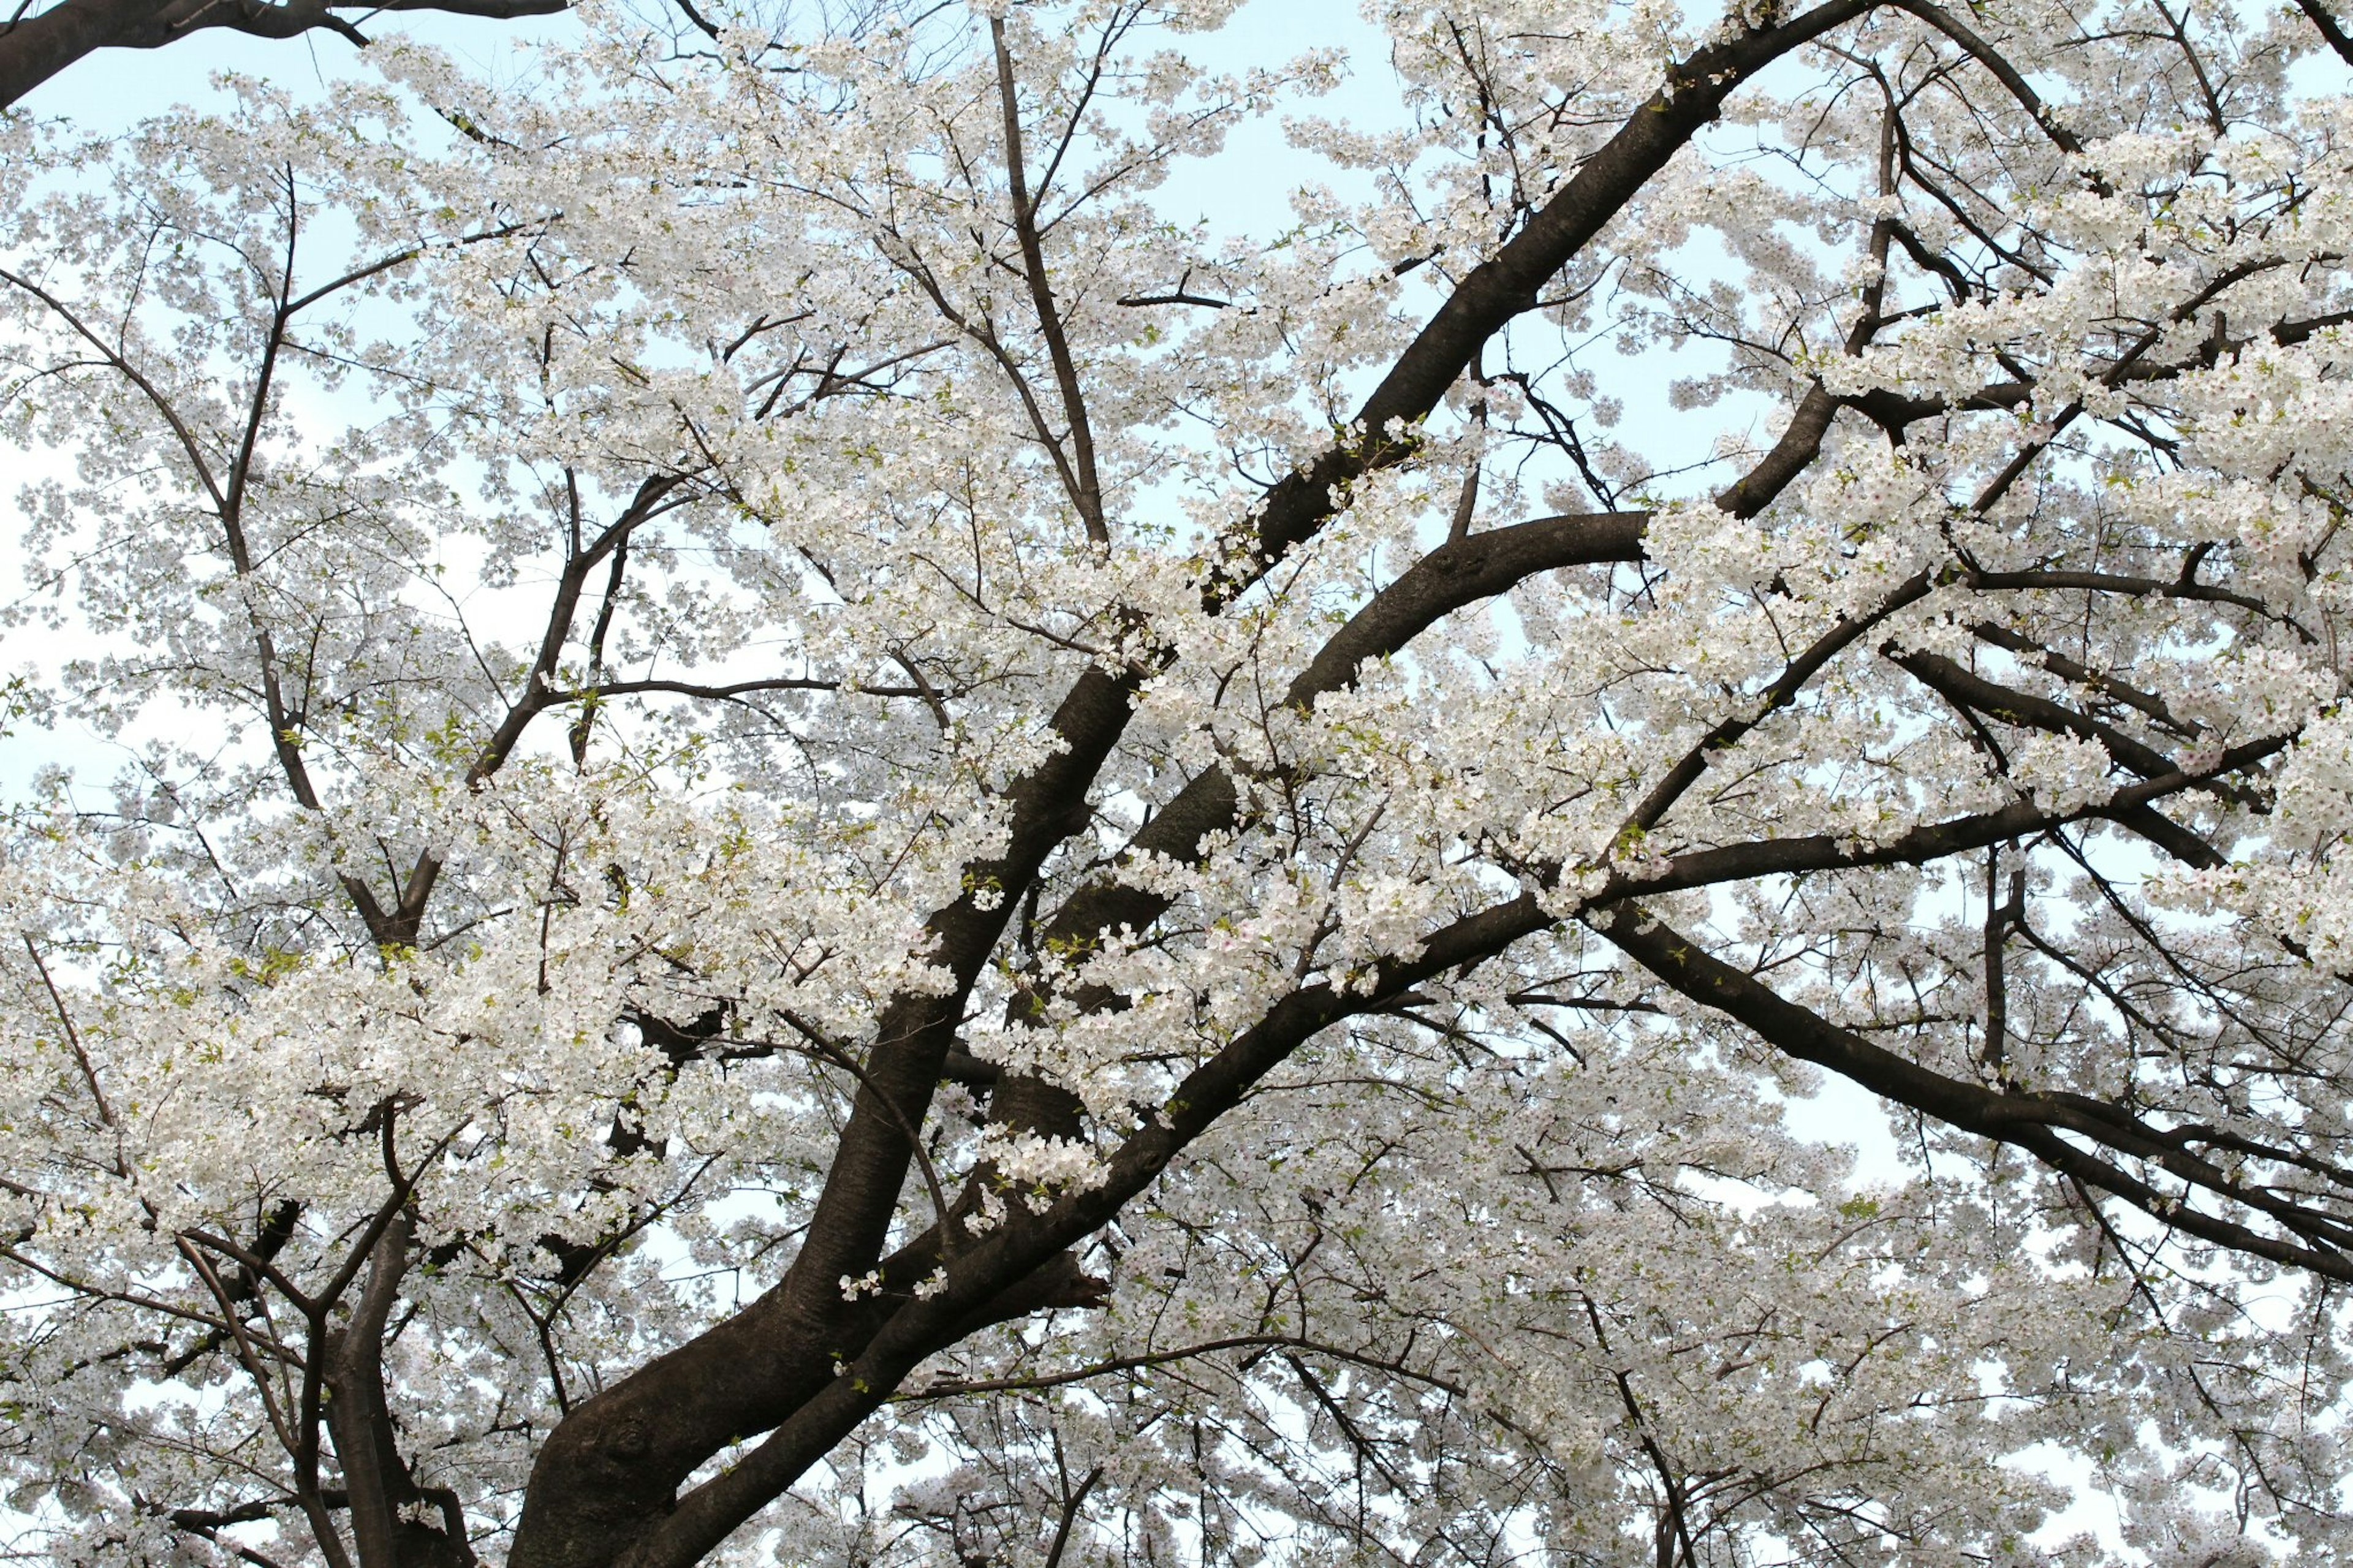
x,y
377,1483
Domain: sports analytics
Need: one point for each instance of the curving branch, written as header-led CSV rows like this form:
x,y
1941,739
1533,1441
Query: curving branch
x,y
2315,1238
2331,30
35,47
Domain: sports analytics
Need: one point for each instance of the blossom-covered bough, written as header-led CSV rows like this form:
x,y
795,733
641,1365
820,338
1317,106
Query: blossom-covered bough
x,y
831,833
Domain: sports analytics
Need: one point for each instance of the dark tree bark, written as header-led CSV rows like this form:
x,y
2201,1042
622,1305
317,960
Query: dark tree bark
x,y
35,47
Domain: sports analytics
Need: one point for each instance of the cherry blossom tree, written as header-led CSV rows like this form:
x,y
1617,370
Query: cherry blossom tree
x,y
831,835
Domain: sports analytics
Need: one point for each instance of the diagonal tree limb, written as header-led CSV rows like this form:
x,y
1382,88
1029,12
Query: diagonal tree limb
x,y
2027,1119
1507,285
871,1165
2331,30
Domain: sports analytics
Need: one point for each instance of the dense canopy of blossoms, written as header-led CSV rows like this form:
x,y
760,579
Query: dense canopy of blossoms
x,y
821,795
